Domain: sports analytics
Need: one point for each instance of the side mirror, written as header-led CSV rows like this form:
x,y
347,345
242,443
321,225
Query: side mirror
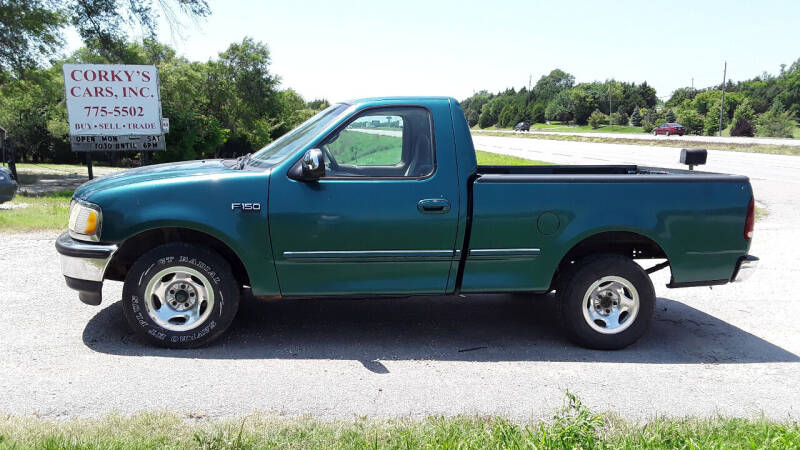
x,y
693,157
310,167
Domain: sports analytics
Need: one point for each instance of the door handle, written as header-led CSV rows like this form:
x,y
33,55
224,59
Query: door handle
x,y
433,206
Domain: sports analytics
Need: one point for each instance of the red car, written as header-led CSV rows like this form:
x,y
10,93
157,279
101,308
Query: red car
x,y
669,128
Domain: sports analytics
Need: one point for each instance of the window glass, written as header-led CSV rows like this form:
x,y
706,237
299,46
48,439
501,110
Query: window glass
x,y
370,141
386,142
295,139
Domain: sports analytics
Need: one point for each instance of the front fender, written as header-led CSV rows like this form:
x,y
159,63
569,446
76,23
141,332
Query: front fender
x,y
201,204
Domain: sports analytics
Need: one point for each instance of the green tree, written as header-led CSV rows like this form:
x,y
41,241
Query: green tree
x,y
711,122
670,116
777,122
636,117
743,120
680,95
318,104
30,31
537,111
691,120
552,84
559,108
597,118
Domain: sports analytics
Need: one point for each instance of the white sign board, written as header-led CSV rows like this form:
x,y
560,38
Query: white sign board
x,y
112,100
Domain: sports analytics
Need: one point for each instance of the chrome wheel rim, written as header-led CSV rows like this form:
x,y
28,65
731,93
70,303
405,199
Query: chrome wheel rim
x,y
610,305
179,298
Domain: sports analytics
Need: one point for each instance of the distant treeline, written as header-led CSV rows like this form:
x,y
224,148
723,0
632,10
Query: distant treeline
x,y
767,105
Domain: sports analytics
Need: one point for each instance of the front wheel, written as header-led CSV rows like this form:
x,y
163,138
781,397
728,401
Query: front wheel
x,y
180,296
606,302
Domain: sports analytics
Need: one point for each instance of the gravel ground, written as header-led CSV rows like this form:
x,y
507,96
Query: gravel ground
x,y
730,350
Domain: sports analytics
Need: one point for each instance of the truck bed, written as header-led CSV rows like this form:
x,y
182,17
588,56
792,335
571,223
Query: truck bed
x,y
617,173
524,218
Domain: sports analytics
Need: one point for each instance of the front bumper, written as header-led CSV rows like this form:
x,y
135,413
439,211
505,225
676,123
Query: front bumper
x,y
83,265
745,268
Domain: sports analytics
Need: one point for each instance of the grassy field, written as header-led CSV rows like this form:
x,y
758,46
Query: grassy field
x,y
493,159
573,128
574,426
683,142
36,213
359,148
66,168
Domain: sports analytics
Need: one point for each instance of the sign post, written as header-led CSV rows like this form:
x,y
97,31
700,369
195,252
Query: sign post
x,y
113,107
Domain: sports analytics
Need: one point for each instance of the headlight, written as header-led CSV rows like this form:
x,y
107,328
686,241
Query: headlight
x,y
85,220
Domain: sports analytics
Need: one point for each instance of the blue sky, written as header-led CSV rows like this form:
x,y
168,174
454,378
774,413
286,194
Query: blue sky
x,y
341,50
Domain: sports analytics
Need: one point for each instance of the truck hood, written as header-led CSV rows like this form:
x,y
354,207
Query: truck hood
x,y
153,173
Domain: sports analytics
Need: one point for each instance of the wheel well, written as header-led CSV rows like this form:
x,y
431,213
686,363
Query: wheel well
x,y
625,243
136,246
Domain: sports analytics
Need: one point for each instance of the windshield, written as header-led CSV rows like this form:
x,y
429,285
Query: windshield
x,y
290,142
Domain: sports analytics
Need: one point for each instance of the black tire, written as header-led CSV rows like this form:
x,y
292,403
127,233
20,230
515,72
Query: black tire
x,y
221,293
574,288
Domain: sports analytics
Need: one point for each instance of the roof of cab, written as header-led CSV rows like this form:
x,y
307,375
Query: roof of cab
x,y
407,99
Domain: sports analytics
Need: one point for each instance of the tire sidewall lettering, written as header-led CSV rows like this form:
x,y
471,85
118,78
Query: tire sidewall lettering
x,y
140,314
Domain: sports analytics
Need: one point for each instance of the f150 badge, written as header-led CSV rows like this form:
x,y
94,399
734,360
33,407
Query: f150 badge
x,y
246,207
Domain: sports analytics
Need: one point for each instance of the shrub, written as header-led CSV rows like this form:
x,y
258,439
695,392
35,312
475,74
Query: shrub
x,y
558,109
775,124
691,120
597,118
743,128
486,119
536,112
743,118
744,112
636,117
618,118
711,122
648,126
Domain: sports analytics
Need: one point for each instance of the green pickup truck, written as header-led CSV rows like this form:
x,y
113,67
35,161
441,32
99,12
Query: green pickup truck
x,y
383,197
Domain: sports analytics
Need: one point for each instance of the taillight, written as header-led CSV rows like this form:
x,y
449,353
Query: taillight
x,y
751,219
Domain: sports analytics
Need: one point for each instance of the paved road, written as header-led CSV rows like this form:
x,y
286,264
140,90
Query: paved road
x,y
650,137
730,350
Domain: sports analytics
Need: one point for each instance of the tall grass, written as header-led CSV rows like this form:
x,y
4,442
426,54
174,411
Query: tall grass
x,y
48,212
573,426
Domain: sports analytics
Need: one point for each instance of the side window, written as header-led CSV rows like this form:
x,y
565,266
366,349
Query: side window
x,y
386,142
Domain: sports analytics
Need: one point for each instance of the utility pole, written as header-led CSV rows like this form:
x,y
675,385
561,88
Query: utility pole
x,y
722,101
3,144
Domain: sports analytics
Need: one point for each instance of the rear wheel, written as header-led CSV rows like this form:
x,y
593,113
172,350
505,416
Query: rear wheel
x,y
606,302
667,133
180,296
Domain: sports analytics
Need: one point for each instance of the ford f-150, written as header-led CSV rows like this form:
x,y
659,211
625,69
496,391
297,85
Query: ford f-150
x,y
383,197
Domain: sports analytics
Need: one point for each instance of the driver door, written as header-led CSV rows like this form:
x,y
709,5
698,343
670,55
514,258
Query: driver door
x,y
382,220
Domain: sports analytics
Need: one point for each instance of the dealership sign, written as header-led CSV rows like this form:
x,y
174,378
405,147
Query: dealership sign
x,y
113,107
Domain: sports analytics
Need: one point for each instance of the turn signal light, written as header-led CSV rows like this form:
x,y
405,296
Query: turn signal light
x,y
750,221
91,223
